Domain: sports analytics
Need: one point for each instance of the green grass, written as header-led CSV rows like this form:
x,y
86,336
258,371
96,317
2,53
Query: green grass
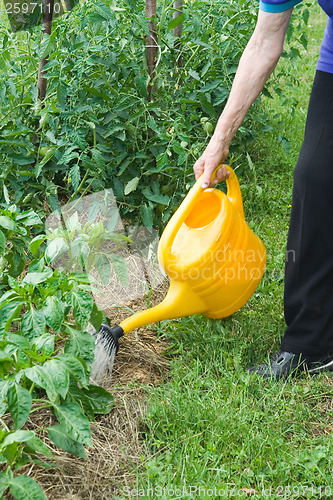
x,y
3,14
211,425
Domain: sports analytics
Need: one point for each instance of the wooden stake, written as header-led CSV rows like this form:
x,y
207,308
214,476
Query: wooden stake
x,y
47,24
151,43
177,32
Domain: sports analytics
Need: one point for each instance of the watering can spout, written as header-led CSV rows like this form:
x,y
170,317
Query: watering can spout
x,y
179,301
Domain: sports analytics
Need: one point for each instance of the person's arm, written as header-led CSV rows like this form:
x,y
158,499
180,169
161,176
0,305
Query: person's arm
x,y
256,64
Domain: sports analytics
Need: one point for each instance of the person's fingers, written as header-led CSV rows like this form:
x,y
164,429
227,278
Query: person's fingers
x,y
221,175
202,167
206,168
198,168
207,176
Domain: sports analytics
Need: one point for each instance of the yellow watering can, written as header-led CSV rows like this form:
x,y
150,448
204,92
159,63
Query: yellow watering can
x,y
214,260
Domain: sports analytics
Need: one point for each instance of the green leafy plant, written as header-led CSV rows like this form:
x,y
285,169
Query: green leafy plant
x,y
87,247
45,358
16,230
98,128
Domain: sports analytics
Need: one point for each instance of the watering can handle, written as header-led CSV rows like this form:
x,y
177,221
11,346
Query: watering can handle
x,y
233,193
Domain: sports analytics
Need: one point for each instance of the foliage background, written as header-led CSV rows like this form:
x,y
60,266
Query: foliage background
x,y
97,129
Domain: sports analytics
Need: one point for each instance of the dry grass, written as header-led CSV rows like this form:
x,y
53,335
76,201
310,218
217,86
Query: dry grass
x,y
118,447
117,450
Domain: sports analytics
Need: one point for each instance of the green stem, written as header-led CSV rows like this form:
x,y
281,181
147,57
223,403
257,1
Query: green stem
x,y
13,109
109,85
2,265
95,140
80,187
4,424
49,405
191,57
165,10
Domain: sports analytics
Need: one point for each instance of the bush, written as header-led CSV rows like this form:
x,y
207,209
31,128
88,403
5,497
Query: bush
x,y
97,129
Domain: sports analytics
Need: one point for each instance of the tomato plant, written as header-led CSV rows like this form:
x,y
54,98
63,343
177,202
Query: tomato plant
x,y
98,128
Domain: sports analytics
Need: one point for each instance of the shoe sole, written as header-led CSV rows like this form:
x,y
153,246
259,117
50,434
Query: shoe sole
x,y
327,366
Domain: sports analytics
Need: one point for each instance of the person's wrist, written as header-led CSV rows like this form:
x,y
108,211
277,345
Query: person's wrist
x,y
225,129
220,146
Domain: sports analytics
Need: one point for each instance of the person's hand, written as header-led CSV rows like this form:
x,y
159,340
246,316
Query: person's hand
x,y
212,157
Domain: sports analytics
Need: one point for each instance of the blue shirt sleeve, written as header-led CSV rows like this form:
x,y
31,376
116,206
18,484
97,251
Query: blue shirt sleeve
x,y
277,5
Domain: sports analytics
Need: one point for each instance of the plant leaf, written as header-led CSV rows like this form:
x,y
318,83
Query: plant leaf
x,y
207,106
37,278
25,488
61,93
29,218
45,343
131,185
75,176
8,312
58,372
2,243
155,197
18,340
93,398
36,242
42,379
73,223
19,404
36,444
5,478
147,215
54,249
120,266
74,421
81,344
19,436
33,323
285,144
82,303
53,311
7,223
103,267
76,367
141,85
176,21
58,435
39,167
97,317
4,387
7,297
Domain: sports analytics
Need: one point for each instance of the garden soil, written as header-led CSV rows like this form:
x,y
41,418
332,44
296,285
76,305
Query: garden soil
x,y
118,446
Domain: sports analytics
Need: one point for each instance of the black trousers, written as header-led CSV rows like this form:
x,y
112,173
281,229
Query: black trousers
x,y
308,297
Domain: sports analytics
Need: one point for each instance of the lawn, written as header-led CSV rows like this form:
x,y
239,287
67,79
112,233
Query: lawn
x,y
212,430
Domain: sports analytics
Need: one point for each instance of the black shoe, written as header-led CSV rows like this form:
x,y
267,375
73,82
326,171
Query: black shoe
x,y
283,364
